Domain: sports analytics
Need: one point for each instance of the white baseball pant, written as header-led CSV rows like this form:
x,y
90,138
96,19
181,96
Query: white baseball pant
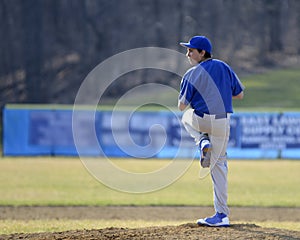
x,y
218,131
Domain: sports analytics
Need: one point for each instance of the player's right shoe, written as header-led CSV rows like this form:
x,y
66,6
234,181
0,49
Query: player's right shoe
x,y
218,220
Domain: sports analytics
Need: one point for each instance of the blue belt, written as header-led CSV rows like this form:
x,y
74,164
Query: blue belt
x,y
217,116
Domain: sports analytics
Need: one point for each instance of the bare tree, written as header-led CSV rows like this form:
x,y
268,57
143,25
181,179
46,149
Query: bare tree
x,y
33,48
49,46
273,12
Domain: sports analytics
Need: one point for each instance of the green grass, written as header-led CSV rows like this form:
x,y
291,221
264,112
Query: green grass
x,y
278,90
65,181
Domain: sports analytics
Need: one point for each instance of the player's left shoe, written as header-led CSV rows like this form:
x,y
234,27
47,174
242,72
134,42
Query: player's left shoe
x,y
205,155
218,220
205,150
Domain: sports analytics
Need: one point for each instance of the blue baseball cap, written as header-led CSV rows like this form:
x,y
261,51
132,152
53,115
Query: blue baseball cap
x,y
199,42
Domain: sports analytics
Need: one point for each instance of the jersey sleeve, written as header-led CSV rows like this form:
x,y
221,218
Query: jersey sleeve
x,y
186,91
236,84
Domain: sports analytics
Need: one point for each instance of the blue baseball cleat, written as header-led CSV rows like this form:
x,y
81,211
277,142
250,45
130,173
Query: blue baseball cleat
x,y
218,220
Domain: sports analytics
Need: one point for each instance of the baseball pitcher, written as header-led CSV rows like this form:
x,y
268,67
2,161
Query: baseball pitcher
x,y
208,89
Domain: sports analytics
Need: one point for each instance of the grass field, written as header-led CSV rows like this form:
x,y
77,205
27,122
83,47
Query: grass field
x,y
272,90
65,181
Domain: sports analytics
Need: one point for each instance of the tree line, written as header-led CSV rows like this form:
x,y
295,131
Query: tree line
x,y
49,46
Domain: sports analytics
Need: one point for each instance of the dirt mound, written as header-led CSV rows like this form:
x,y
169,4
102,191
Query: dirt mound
x,y
185,231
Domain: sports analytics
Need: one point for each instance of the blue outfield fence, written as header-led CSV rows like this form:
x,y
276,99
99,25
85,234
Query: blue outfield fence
x,y
143,134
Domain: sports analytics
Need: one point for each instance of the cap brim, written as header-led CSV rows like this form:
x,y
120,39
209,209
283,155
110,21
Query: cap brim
x,y
187,45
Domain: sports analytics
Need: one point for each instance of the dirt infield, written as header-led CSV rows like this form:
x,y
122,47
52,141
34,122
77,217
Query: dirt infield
x,y
184,231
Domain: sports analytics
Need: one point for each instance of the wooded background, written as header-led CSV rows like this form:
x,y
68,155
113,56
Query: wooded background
x,y
49,46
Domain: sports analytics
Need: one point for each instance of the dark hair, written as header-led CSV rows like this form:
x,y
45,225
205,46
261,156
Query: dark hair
x,y
206,55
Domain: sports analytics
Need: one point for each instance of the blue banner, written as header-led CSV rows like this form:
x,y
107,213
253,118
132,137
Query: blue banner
x,y
142,134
